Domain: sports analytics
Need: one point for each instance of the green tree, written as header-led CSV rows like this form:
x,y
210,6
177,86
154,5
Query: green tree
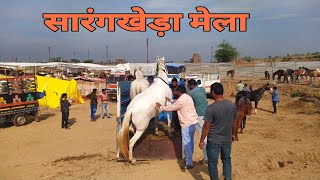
x,y
226,52
74,60
247,58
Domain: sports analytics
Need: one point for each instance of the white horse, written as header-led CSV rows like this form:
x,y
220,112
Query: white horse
x,y
142,108
139,84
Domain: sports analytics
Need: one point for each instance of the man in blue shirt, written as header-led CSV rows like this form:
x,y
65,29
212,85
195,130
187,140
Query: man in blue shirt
x,y
199,98
275,99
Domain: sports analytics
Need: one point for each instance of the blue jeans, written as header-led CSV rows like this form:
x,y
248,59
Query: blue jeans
x,y
93,111
200,126
188,142
213,154
104,108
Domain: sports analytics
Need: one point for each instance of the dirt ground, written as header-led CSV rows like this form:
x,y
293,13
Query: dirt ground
x,y
281,146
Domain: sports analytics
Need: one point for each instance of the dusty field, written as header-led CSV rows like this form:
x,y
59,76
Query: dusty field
x,y
282,146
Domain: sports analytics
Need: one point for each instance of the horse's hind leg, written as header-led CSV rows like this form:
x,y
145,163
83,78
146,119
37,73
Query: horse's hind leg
x,y
156,120
133,140
132,129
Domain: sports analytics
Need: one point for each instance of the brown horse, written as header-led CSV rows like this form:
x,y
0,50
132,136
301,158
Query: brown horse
x,y
314,74
231,72
243,109
310,73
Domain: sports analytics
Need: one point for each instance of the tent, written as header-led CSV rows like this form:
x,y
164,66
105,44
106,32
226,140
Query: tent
x,y
54,88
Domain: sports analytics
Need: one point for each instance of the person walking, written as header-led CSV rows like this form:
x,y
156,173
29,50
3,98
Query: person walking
x,y
240,86
219,130
65,104
188,119
275,99
199,98
93,103
104,104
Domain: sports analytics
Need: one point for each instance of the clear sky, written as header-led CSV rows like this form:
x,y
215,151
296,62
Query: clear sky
x,y
274,29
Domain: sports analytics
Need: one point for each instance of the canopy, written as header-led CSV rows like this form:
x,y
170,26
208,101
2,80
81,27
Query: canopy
x,y
55,88
90,66
174,65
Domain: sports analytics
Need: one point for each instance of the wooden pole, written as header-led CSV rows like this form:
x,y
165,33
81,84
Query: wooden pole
x,y
211,54
49,48
147,50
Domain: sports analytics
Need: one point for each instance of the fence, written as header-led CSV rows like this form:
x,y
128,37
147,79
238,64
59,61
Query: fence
x,y
248,69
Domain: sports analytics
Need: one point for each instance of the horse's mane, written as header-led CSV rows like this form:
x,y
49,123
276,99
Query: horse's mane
x,y
257,90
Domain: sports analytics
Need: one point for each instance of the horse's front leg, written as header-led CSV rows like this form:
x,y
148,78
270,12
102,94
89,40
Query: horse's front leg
x,y
256,107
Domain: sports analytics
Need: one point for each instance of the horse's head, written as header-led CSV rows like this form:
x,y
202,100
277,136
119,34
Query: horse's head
x,y
271,90
138,74
266,87
161,66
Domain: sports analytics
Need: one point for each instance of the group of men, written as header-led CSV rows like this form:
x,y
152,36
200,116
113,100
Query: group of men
x,y
274,93
214,123
93,97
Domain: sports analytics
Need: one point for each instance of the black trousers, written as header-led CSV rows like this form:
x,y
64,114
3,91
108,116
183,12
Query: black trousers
x,y
274,103
65,118
175,121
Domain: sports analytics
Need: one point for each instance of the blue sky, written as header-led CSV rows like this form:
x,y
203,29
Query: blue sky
x,y
275,28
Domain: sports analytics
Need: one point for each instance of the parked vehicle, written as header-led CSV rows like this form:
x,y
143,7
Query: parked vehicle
x,y
19,99
112,85
204,80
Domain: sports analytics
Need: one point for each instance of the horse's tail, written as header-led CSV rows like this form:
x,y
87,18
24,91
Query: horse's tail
x,y
123,137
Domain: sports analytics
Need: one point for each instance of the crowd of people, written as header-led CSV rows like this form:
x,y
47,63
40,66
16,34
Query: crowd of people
x,y
190,112
248,88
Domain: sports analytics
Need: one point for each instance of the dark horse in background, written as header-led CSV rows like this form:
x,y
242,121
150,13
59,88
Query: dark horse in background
x,y
285,73
231,72
279,74
254,95
288,73
267,75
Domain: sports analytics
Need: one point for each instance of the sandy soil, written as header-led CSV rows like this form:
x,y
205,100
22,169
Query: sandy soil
x,y
282,146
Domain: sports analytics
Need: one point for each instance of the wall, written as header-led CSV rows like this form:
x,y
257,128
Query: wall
x,y
247,70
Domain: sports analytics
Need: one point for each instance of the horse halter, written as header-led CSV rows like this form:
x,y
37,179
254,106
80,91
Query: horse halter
x,y
164,70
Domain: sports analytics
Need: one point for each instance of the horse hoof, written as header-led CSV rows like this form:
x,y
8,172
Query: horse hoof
x,y
156,133
133,161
